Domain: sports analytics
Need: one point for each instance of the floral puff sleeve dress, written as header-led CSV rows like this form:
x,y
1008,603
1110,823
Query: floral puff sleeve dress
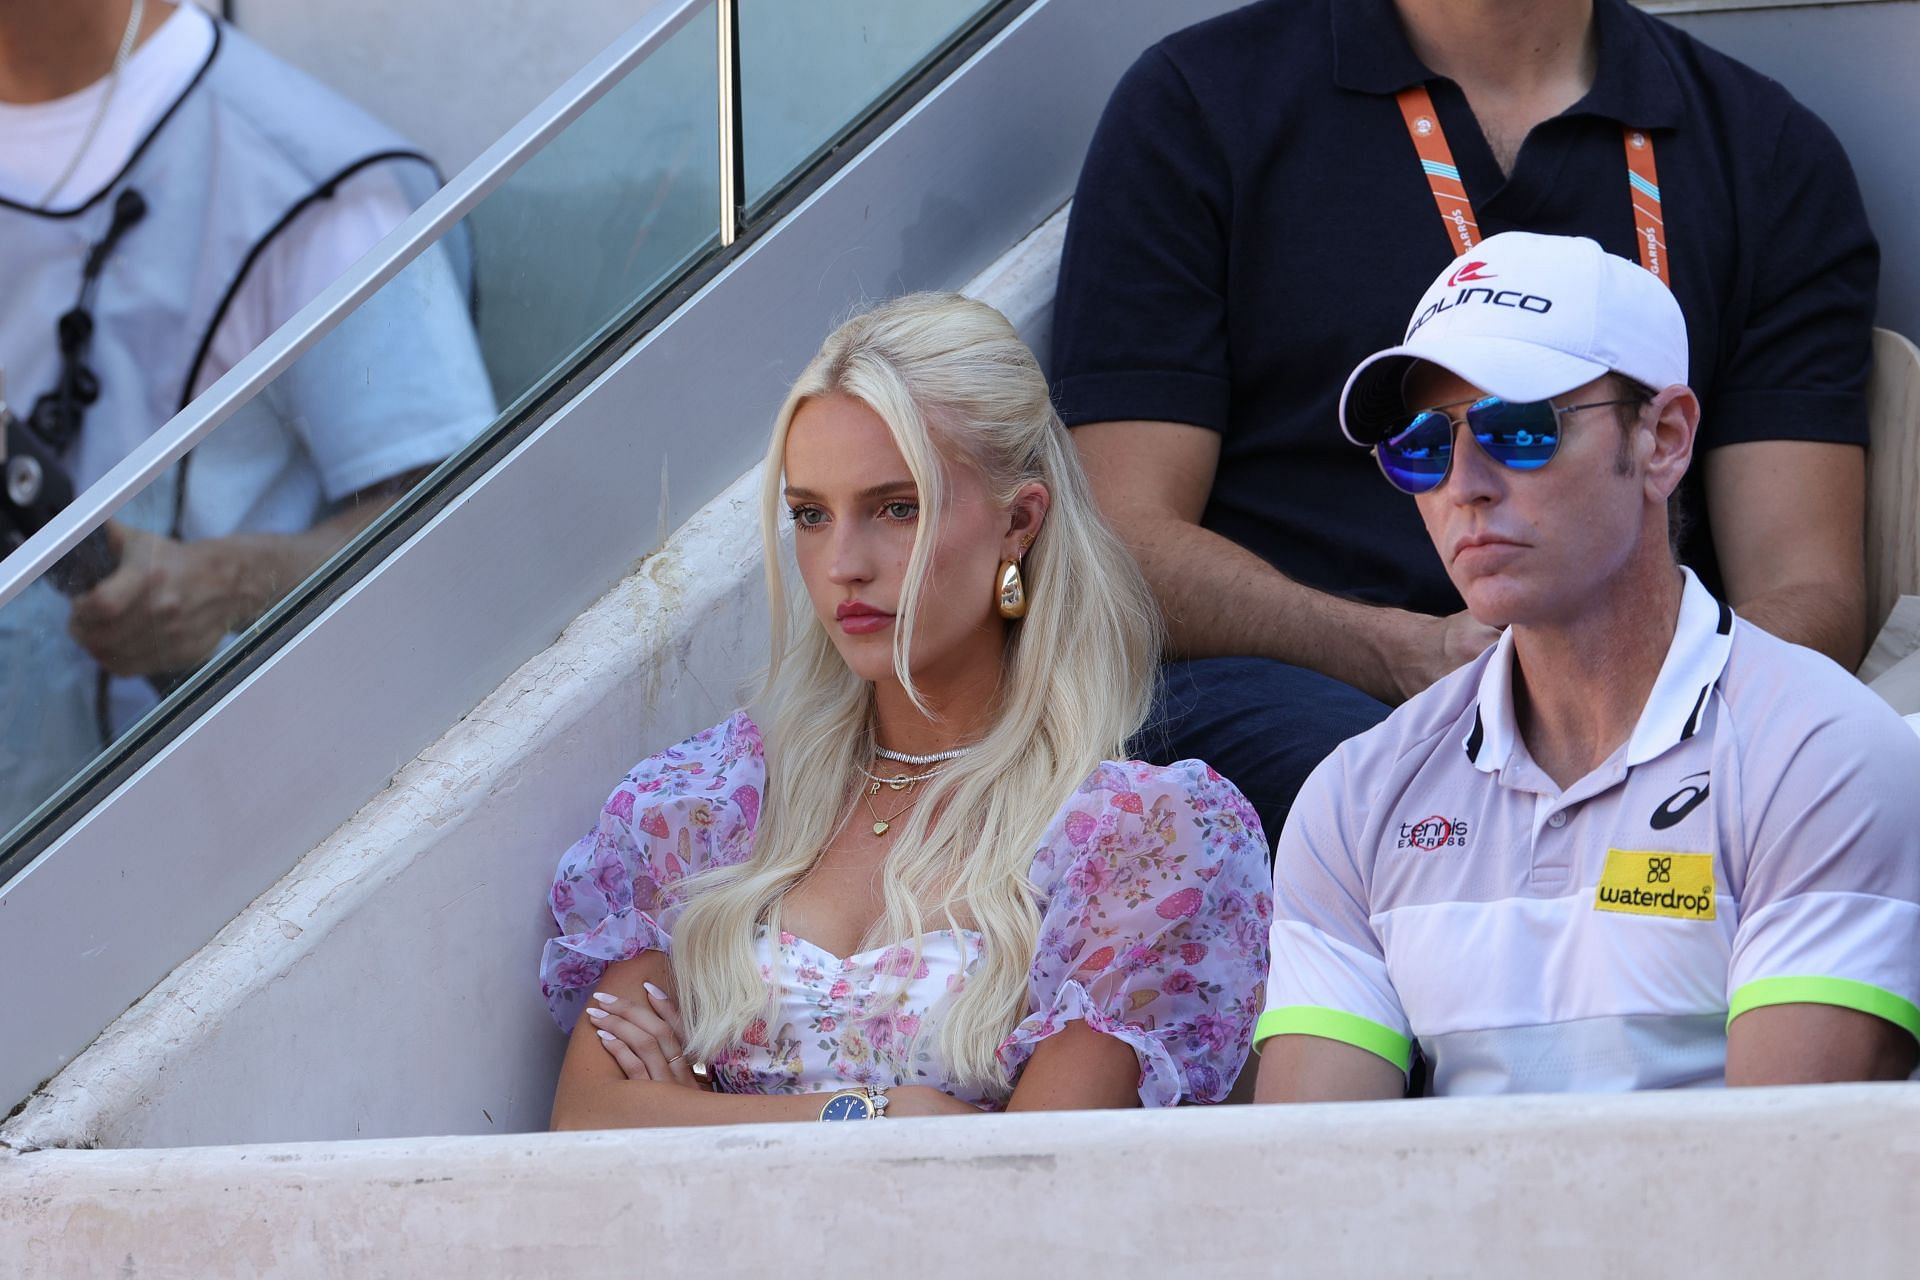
x,y
1155,911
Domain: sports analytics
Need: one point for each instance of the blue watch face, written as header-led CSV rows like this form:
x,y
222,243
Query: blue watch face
x,y
847,1107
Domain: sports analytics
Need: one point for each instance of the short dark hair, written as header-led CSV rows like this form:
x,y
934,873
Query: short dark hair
x,y
1633,390
1638,393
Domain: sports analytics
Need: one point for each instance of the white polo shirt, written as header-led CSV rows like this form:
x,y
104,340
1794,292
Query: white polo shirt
x,y
1756,841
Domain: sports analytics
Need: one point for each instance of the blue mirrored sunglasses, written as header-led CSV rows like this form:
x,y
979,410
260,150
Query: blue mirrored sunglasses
x,y
1522,436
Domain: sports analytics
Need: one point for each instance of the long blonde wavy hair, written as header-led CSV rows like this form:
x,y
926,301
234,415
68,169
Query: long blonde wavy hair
x,y
956,387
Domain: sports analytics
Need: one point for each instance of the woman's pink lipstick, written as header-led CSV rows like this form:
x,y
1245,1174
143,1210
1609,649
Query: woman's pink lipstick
x,y
857,618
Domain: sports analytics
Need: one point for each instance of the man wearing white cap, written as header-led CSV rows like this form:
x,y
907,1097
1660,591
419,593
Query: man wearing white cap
x,y
1638,843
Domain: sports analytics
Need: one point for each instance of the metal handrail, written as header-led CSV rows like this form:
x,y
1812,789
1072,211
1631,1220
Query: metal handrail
x,y
419,233
733,158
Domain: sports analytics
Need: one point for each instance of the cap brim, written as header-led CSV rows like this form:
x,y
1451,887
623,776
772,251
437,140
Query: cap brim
x,y
1371,404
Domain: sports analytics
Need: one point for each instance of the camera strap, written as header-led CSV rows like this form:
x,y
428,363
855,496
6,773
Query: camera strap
x,y
58,415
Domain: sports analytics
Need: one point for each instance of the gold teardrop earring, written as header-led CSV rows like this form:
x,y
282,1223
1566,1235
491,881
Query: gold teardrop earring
x,y
1010,589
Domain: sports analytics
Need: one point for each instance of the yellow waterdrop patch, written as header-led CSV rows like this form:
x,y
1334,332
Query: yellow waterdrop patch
x,y
1676,885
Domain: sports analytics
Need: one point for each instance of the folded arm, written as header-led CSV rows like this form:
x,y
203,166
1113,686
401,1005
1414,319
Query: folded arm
x,y
594,1091
1076,1068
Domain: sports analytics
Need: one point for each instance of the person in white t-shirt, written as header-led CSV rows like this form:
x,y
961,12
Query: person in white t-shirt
x,y
189,193
1638,843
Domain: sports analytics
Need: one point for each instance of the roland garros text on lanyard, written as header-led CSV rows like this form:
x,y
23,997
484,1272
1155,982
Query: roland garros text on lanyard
x,y
1456,211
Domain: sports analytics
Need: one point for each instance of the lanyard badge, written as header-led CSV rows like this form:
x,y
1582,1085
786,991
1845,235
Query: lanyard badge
x,y
1456,210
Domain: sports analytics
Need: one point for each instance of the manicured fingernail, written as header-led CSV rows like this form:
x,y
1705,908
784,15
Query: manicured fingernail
x,y
596,1014
605,1035
604,998
654,991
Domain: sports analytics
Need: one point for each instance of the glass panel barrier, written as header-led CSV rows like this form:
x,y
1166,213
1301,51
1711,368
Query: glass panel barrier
x,y
810,70
585,234
208,562
608,213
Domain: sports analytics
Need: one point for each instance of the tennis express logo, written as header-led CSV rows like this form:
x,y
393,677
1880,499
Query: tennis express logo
x,y
1433,833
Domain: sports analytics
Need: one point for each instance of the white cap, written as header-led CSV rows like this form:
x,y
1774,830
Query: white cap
x,y
1526,317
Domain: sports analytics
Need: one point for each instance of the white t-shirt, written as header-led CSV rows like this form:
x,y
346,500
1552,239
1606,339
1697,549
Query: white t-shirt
x,y
37,141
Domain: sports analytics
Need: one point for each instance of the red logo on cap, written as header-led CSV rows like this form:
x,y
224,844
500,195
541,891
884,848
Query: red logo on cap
x,y
1471,271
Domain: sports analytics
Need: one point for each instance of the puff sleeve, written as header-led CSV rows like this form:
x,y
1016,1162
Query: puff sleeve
x,y
617,892
1155,926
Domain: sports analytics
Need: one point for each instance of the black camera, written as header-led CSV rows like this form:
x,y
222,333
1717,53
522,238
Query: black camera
x,y
35,486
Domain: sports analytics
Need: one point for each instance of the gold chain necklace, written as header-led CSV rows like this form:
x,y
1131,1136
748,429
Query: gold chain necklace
x,y
880,824
902,782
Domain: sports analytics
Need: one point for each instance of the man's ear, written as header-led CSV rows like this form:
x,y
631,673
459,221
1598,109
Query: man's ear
x,y
1672,418
1025,515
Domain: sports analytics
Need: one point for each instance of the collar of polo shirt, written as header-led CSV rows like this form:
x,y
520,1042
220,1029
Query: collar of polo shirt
x,y
1702,638
1634,83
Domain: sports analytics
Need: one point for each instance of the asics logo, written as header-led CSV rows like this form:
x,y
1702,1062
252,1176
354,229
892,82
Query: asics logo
x,y
1681,803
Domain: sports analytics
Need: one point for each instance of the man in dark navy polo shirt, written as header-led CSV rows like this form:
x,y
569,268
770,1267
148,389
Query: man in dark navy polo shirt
x,y
1255,216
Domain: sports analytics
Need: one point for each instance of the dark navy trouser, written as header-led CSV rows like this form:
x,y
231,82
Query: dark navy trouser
x,y
1262,724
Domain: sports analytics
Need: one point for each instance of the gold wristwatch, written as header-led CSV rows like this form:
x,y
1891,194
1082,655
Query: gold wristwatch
x,y
863,1103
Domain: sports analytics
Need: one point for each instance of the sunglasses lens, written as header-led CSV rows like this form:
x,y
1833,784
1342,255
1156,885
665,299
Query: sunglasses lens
x,y
1415,457
1520,436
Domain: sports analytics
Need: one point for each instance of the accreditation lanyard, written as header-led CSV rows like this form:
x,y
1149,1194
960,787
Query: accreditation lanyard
x,y
1456,211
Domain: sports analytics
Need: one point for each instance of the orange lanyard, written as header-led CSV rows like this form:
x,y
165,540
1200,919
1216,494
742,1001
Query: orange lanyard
x,y
1456,211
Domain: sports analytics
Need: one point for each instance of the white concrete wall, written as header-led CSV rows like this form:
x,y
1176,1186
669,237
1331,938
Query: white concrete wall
x,y
386,986
1747,1184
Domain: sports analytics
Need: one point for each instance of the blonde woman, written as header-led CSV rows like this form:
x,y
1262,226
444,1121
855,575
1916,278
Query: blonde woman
x,y
919,878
